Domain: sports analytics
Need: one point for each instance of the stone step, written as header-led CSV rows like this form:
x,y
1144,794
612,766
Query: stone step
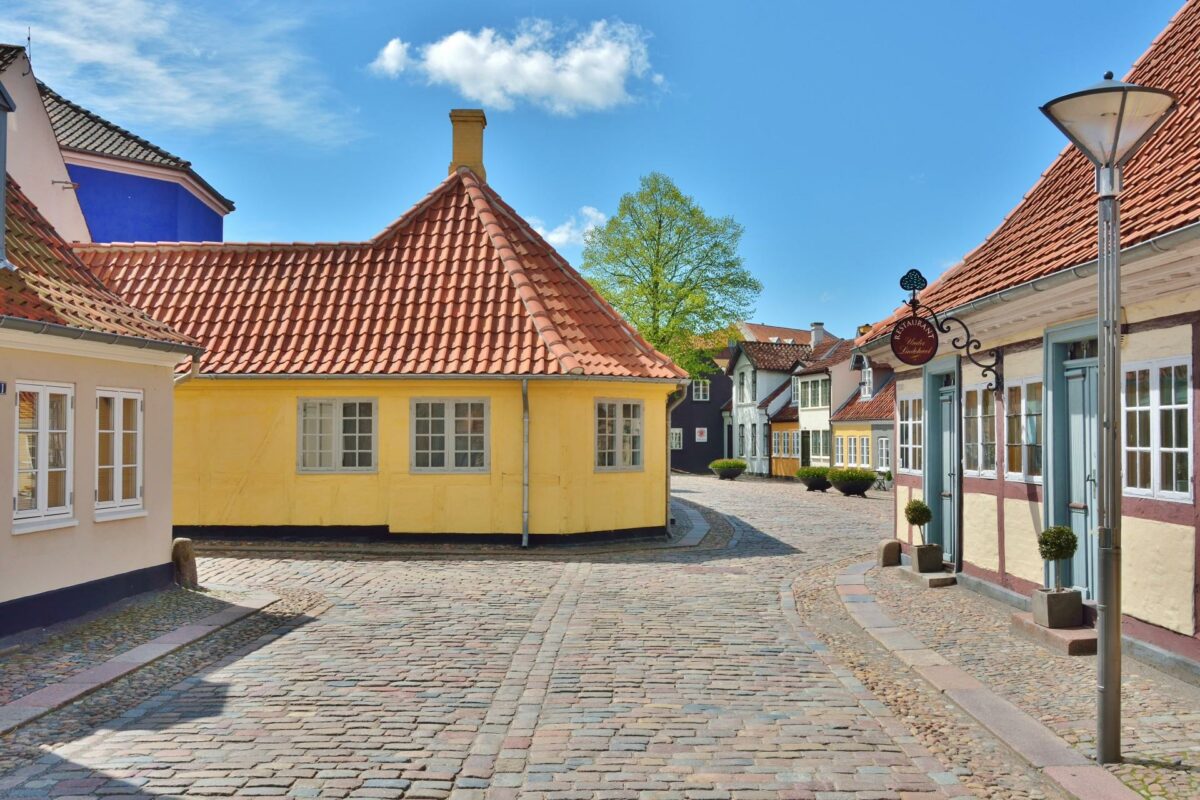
x,y
930,580
1068,641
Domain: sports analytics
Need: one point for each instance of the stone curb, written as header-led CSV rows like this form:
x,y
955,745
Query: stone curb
x,y
1061,763
49,698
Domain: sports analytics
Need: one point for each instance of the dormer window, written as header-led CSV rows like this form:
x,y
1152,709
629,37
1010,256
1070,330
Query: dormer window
x,y
866,387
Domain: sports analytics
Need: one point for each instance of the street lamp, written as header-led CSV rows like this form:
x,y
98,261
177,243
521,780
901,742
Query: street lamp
x,y
1109,122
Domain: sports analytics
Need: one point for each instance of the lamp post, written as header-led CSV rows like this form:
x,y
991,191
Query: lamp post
x,y
1109,122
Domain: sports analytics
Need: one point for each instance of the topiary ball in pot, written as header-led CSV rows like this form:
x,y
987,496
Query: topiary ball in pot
x,y
728,469
1057,543
815,478
917,513
851,481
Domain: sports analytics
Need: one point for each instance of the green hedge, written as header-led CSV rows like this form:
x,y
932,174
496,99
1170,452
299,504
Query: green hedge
x,y
815,478
728,463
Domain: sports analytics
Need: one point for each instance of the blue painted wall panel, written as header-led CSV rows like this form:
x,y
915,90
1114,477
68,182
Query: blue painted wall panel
x,y
131,208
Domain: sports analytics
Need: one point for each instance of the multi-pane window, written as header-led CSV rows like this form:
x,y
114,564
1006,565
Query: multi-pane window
x,y
818,444
337,435
753,384
741,442
776,448
1158,429
118,448
44,463
912,431
753,439
676,438
865,388
796,444
618,434
1023,430
883,453
979,432
852,450
838,457
741,389
864,451
700,390
449,435
813,393
766,439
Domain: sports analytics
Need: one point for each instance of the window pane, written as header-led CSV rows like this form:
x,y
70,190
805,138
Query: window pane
x,y
27,410
104,485
104,413
56,457
27,491
129,488
58,412
56,488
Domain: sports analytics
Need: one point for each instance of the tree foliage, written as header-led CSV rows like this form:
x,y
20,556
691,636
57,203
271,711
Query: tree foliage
x,y
671,270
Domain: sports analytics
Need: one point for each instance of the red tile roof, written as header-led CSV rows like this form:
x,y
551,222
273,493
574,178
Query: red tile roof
x,y
772,356
50,284
788,413
1054,226
459,285
826,356
757,332
882,405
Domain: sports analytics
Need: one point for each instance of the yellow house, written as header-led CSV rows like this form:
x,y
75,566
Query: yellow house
x,y
452,375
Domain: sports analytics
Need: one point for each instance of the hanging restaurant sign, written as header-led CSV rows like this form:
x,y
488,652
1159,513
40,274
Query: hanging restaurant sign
x,y
915,341
915,337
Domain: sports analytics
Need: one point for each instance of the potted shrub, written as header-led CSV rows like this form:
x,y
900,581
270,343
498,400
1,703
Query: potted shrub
x,y
888,480
1057,607
727,469
926,557
815,478
852,481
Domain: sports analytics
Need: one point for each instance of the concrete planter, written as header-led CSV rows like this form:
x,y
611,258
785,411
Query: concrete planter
x,y
927,558
1052,609
728,474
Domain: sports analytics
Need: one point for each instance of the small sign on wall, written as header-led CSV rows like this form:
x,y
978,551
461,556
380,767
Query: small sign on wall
x,y
701,434
3,387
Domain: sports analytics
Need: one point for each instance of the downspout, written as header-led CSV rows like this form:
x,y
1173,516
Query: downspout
x,y
671,406
958,465
524,463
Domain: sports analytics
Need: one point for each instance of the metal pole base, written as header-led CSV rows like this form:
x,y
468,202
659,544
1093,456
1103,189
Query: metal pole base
x,y
1108,662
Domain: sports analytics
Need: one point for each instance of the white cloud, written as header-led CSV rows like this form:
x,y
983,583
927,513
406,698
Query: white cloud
x,y
591,71
180,64
573,230
392,59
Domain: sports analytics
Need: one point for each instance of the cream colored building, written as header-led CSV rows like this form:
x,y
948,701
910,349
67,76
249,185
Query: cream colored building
x,y
1001,457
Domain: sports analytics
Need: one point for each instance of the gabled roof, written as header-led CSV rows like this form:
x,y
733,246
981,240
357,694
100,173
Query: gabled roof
x,y
51,285
757,332
771,356
9,54
786,413
1054,227
459,285
880,406
828,354
82,131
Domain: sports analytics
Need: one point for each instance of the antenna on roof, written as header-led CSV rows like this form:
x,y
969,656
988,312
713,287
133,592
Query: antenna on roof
x,y
28,50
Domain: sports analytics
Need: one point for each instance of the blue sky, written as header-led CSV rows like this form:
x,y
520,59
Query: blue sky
x,y
852,141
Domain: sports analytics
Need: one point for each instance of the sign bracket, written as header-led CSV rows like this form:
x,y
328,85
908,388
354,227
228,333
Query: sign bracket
x,y
913,282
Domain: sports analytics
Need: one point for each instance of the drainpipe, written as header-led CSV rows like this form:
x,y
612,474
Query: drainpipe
x,y
671,406
958,465
524,463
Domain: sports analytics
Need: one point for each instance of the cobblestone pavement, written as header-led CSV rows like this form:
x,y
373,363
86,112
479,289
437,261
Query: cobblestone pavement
x,y
1161,715
663,674
63,651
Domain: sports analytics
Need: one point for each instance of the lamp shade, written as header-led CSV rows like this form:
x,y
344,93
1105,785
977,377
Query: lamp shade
x,y
1110,120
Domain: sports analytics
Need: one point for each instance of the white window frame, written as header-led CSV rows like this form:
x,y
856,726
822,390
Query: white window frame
x,y
976,470
701,390
775,448
754,440
839,451
852,451
741,387
814,392
883,454
864,451
448,434
338,443
619,453
1023,476
676,438
915,425
865,387
42,517
119,396
1156,449
741,440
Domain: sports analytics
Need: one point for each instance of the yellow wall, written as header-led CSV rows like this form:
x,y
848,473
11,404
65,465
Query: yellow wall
x,y
1022,524
1158,572
235,459
981,544
844,430
902,525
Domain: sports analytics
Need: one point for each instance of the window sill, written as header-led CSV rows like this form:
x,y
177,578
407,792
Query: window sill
x,y
419,471
622,470
1158,498
1023,479
113,514
987,476
337,472
38,525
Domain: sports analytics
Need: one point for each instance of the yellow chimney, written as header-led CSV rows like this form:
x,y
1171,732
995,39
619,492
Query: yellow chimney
x,y
468,126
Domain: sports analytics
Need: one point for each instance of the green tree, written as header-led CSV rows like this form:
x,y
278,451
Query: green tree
x,y
671,270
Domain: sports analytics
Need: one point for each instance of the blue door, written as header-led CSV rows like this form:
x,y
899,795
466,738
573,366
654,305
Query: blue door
x,y
1081,474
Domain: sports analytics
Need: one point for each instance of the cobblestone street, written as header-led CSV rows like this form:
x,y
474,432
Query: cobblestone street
x,y
727,672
